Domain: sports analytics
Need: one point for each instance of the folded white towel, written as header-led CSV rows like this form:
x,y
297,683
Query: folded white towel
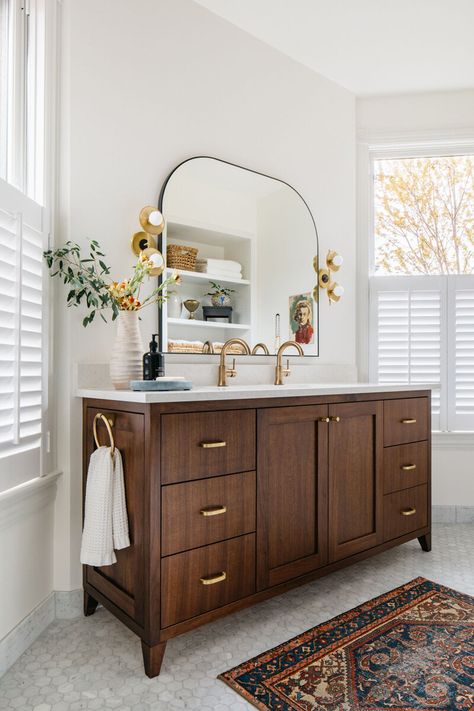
x,y
219,264
105,519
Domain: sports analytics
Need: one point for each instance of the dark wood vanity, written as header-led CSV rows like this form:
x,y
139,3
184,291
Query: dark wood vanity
x,y
233,501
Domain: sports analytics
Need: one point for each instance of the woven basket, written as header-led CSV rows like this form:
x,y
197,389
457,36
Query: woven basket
x,y
179,256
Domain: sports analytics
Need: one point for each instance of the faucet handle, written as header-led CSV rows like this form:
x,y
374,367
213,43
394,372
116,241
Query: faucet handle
x,y
232,372
286,371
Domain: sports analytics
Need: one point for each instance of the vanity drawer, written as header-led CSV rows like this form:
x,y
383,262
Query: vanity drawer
x,y
405,511
405,420
206,578
405,465
203,444
197,513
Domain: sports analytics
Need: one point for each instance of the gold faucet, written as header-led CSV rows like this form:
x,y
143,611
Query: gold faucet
x,y
208,347
280,371
262,346
223,370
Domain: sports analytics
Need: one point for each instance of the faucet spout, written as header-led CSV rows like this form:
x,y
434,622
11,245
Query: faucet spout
x,y
281,372
262,346
225,372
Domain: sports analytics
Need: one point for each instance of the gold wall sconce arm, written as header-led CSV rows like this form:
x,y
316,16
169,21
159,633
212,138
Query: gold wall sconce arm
x,y
334,290
144,241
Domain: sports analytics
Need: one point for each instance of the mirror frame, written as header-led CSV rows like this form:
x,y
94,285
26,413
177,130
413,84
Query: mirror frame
x,y
160,247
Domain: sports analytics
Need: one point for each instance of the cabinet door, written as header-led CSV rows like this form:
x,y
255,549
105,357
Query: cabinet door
x,y
355,478
291,492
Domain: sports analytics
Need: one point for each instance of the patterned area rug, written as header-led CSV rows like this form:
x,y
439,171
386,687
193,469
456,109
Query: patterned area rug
x,y
412,648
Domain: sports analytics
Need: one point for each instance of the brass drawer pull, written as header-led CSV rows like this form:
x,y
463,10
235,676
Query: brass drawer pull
x,y
408,421
324,419
335,419
213,445
212,579
213,510
408,467
408,512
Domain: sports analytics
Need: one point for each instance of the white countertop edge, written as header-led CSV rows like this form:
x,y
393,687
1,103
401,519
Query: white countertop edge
x,y
249,392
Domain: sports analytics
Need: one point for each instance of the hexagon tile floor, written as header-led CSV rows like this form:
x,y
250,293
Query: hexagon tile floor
x,y
96,662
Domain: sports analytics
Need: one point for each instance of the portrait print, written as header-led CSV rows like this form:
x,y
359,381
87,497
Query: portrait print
x,y
302,319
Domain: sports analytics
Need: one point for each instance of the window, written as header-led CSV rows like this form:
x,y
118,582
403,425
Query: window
x,y
23,235
422,282
22,81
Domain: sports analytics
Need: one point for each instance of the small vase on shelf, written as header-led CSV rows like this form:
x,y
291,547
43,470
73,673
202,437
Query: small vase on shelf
x,y
175,306
218,300
127,353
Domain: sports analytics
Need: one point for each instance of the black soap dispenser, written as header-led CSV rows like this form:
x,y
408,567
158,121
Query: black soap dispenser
x,y
153,361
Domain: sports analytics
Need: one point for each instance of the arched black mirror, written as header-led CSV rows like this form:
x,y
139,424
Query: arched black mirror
x,y
252,240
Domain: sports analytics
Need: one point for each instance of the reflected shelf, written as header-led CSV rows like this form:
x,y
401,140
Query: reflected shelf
x,y
196,323
204,276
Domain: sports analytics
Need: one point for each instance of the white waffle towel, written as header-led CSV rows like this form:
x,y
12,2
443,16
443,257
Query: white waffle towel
x,y
105,520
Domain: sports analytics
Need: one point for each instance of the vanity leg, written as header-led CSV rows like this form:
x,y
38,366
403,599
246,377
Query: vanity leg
x,y
153,657
90,604
425,542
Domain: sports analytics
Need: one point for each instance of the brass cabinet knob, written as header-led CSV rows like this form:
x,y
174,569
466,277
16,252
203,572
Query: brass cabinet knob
x,y
213,579
213,445
408,512
213,510
335,419
408,421
408,467
324,419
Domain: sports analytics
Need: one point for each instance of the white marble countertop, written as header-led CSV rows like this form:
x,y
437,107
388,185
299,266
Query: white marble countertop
x,y
249,392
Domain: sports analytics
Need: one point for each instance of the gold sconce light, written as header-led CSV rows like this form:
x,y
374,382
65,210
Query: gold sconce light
x,y
334,262
144,242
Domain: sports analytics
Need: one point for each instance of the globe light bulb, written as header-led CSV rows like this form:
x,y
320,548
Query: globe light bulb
x,y
155,218
156,259
337,260
338,290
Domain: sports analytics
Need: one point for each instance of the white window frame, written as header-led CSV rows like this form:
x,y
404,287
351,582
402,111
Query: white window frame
x,y
24,192
376,145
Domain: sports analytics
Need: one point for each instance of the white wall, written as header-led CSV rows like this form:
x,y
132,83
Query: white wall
x,y
447,116
26,550
145,85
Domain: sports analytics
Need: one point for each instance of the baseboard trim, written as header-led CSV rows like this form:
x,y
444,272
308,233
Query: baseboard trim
x,y
69,604
59,605
452,514
26,632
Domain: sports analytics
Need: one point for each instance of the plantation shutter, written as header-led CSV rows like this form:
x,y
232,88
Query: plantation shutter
x,y
408,334
21,338
461,353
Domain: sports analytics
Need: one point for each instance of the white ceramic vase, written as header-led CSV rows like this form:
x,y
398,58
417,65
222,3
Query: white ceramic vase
x,y
126,363
175,306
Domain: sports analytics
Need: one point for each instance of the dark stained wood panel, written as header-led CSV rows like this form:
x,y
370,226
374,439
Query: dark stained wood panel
x,y
185,596
355,477
184,457
406,420
292,492
127,574
405,465
396,506
185,527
